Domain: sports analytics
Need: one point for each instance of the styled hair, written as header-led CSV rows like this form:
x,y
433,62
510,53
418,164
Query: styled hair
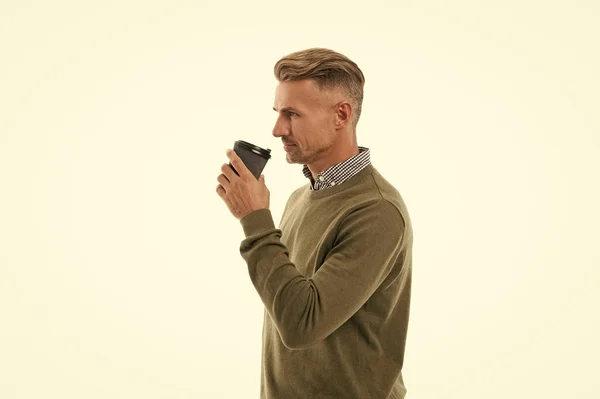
x,y
328,69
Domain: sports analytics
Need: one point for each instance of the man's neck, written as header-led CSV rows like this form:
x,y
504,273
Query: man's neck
x,y
324,164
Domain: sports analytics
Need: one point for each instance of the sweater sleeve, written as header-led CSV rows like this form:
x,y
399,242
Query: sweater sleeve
x,y
307,310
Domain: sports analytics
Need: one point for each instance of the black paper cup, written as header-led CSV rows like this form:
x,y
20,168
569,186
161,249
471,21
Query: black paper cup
x,y
254,157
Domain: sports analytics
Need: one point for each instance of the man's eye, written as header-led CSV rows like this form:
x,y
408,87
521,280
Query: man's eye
x,y
290,113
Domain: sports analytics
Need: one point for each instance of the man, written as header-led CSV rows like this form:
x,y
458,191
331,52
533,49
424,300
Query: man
x,y
335,278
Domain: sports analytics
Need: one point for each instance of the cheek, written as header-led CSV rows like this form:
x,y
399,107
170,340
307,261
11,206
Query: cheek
x,y
300,132
309,133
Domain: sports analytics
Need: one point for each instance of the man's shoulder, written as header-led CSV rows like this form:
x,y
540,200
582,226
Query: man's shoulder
x,y
295,197
378,187
298,192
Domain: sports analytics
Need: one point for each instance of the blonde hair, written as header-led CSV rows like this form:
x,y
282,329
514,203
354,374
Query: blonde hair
x,y
329,70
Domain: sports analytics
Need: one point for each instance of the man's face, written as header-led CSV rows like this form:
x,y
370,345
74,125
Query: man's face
x,y
305,119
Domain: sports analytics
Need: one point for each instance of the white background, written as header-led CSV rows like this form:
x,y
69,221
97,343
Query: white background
x,y
120,273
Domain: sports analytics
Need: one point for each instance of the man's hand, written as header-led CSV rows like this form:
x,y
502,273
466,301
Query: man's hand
x,y
242,194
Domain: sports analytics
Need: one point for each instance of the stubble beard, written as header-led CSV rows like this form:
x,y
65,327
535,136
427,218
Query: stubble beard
x,y
296,156
293,156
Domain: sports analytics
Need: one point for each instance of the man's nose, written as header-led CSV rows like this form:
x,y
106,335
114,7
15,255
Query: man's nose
x,y
280,129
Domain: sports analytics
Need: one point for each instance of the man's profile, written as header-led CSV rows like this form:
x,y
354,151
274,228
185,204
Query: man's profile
x,y
335,276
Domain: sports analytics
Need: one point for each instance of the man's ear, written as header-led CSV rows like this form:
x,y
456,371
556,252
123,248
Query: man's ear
x,y
343,114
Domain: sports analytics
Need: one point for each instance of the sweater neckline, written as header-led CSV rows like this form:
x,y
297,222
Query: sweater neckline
x,y
316,194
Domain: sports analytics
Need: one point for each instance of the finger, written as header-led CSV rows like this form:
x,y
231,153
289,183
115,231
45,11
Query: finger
x,y
238,164
220,191
224,182
228,172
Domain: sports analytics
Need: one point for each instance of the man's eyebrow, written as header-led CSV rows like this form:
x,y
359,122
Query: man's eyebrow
x,y
285,109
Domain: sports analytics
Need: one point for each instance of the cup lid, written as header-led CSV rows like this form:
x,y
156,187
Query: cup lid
x,y
265,152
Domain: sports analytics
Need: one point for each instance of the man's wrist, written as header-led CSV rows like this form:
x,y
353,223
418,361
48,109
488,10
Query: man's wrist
x,y
257,222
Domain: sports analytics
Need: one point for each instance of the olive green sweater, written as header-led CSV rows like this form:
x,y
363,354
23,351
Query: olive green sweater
x,y
335,281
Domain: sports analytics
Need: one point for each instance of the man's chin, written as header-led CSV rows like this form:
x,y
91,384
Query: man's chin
x,y
291,158
295,157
